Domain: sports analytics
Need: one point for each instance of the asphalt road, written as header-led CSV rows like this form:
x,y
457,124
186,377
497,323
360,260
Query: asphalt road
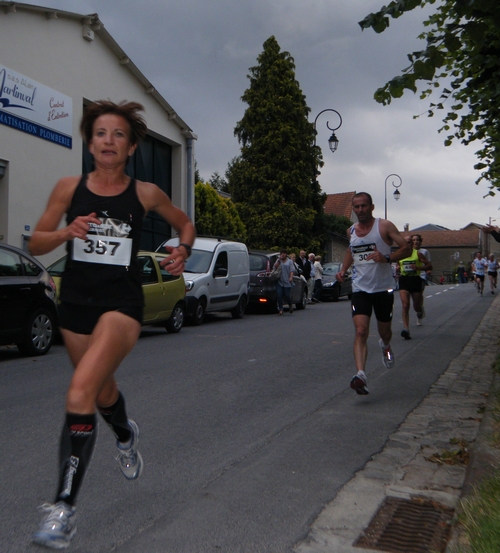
x,y
248,427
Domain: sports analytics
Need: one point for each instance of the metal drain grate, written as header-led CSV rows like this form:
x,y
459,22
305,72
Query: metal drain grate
x,y
408,526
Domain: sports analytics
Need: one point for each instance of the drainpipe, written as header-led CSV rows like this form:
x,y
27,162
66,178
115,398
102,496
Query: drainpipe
x,y
191,137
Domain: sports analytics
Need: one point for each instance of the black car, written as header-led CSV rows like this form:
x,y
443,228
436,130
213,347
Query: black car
x,y
332,289
263,289
27,302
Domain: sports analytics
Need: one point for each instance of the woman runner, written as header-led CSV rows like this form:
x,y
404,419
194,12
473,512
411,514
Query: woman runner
x,y
101,295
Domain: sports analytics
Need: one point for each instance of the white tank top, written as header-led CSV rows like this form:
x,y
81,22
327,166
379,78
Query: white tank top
x,y
480,265
367,275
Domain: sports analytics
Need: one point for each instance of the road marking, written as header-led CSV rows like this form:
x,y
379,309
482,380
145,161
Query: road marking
x,y
442,291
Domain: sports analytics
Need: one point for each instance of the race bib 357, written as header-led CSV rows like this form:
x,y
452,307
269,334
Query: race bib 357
x,y
108,250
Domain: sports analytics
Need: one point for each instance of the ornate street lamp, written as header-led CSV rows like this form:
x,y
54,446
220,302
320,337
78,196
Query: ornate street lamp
x,y
333,141
333,144
397,193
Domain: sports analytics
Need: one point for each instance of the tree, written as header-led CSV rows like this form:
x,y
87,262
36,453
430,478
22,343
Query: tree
x,y
336,224
271,181
219,183
462,60
215,215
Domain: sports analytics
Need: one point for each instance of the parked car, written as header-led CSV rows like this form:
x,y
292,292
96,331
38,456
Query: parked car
x,y
332,289
217,277
28,314
164,294
263,289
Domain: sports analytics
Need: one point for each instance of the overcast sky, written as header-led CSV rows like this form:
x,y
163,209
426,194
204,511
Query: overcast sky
x,y
197,54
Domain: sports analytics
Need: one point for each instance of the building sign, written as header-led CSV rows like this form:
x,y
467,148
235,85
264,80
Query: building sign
x,y
35,109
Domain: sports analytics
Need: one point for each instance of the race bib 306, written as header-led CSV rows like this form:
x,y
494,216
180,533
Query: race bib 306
x,y
361,252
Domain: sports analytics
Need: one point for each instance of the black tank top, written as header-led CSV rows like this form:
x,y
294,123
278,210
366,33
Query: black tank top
x,y
94,282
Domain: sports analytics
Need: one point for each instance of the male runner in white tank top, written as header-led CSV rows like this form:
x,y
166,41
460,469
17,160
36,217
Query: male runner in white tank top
x,y
373,283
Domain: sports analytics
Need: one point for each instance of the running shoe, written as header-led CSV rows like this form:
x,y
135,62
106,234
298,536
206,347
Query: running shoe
x,y
387,355
358,384
419,321
129,458
405,333
58,526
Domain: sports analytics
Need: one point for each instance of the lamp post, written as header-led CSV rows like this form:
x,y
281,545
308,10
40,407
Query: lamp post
x,y
333,141
396,193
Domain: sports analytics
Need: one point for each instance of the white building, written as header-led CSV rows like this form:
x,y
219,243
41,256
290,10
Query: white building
x,y
51,64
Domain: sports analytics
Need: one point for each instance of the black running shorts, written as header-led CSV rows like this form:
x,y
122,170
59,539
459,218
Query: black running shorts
x,y
82,319
412,284
380,302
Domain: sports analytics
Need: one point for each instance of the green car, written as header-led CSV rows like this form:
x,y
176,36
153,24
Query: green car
x,y
164,294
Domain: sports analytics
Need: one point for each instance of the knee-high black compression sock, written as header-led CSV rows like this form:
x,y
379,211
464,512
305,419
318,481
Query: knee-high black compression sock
x,y
116,418
77,444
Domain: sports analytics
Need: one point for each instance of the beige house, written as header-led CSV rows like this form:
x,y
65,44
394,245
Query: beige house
x,y
52,63
448,247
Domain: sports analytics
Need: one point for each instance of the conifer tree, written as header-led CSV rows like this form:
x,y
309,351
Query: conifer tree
x,y
272,181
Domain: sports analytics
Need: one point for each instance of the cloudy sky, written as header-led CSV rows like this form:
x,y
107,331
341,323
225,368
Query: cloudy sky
x,y
197,53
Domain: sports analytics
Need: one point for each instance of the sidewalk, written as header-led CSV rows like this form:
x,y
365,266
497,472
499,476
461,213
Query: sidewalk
x,y
453,410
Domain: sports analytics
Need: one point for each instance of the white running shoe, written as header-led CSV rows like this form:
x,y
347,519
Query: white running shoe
x,y
130,459
358,384
387,355
58,527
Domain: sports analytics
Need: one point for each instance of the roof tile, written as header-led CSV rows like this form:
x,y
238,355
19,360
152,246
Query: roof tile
x,y
339,204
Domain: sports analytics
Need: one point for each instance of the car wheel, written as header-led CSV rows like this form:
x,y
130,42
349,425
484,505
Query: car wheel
x,y
303,300
174,324
199,313
39,333
239,310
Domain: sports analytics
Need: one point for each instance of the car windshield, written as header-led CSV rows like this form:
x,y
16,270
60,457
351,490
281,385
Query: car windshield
x,y
331,268
57,268
198,262
257,262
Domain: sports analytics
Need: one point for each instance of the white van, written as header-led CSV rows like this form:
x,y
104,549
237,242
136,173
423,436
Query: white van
x,y
217,276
